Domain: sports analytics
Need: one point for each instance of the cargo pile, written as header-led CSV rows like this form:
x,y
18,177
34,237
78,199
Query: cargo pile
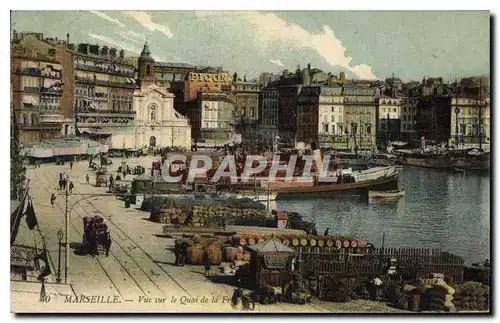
x,y
472,296
203,215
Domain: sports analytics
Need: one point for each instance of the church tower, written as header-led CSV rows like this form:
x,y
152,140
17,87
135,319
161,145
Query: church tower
x,y
146,68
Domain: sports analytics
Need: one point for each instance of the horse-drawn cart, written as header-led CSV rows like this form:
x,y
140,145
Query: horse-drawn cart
x,y
101,177
96,237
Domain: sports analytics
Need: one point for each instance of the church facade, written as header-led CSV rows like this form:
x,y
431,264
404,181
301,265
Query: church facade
x,y
157,123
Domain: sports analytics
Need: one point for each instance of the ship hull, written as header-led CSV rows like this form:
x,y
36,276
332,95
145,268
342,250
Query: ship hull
x,y
360,188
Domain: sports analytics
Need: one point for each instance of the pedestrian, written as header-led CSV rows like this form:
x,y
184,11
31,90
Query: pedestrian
x,y
223,224
52,199
87,178
64,182
208,265
70,165
71,186
124,174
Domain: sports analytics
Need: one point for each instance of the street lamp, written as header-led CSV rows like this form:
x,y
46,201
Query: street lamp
x,y
60,236
457,111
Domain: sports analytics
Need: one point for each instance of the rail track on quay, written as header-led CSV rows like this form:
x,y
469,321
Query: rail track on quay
x,y
119,239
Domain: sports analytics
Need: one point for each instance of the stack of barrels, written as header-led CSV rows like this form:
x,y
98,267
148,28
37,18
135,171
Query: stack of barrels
x,y
296,241
199,248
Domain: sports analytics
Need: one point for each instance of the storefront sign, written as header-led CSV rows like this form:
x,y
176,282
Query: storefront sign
x,y
216,78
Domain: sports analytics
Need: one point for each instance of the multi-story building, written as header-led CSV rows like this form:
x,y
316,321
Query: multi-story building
x,y
36,81
470,121
211,119
388,119
266,78
206,80
157,123
287,114
104,89
360,115
269,114
320,116
246,104
409,118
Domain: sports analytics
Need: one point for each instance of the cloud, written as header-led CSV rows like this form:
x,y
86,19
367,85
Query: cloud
x,y
144,19
128,47
132,36
105,16
271,28
277,62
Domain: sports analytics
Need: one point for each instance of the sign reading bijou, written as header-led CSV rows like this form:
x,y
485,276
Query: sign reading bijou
x,y
215,78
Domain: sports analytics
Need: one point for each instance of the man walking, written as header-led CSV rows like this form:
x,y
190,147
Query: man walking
x,y
87,178
70,165
52,199
71,186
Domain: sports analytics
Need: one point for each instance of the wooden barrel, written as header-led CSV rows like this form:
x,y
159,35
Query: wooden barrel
x,y
346,243
321,243
239,240
354,243
195,254
260,239
361,243
295,242
231,253
313,242
303,242
338,243
246,257
286,241
251,240
214,254
329,243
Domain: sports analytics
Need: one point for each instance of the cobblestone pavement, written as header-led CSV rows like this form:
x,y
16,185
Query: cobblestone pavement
x,y
139,270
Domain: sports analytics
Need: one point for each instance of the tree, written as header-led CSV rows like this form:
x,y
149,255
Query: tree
x,y
17,169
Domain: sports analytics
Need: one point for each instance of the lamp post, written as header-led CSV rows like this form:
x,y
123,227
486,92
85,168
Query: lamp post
x,y
66,243
60,236
457,111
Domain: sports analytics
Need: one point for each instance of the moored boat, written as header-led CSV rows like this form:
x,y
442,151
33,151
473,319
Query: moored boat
x,y
386,194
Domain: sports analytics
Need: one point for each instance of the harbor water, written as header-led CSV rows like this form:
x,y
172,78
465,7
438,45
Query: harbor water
x,y
439,210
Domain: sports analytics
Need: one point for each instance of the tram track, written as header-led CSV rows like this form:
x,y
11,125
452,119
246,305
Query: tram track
x,y
99,262
126,238
144,251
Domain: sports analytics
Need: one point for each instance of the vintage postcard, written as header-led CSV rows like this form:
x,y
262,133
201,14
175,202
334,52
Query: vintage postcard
x,y
250,161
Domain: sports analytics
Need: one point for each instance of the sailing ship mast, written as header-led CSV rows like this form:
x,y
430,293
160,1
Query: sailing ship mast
x,y
480,121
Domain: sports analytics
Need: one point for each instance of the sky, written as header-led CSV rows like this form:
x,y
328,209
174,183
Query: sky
x,y
363,44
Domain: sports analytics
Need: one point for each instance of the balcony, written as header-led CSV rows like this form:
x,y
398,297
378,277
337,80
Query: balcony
x,y
108,112
42,90
107,70
37,72
104,82
51,118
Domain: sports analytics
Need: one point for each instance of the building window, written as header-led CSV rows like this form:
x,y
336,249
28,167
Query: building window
x,y
368,129
148,69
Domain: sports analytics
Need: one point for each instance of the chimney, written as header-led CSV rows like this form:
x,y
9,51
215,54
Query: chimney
x,y
235,77
67,39
309,66
244,78
104,51
122,54
112,52
342,76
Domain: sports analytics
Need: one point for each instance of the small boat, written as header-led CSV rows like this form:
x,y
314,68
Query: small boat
x,y
386,194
